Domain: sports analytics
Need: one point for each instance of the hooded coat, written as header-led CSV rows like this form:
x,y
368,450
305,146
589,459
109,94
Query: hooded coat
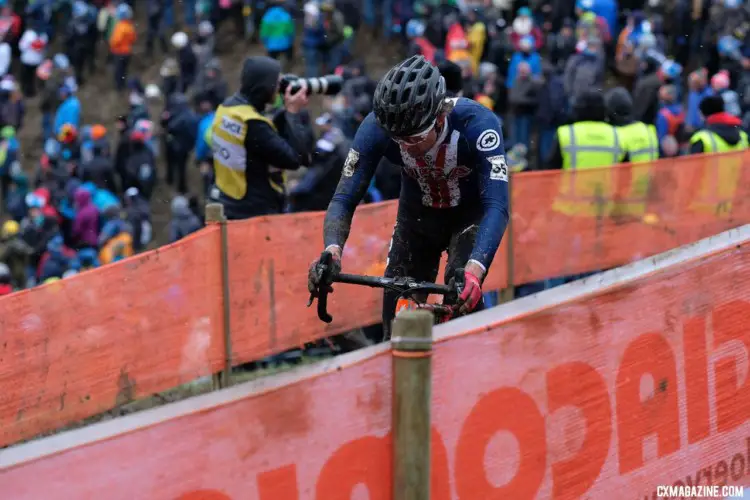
x,y
86,222
285,148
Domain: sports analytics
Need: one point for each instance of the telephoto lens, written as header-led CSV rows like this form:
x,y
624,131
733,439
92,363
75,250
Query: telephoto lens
x,y
323,85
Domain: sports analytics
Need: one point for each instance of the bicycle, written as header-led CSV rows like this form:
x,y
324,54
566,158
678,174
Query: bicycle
x,y
407,288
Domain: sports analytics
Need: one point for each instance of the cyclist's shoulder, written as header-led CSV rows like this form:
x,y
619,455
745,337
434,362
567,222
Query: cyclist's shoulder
x,y
370,136
467,115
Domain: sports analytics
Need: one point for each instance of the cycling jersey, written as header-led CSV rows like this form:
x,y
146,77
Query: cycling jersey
x,y
464,172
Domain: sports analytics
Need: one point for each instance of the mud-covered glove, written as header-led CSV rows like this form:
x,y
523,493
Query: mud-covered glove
x,y
471,293
317,269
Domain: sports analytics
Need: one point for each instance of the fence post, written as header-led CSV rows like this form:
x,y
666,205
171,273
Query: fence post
x,y
412,380
215,215
508,293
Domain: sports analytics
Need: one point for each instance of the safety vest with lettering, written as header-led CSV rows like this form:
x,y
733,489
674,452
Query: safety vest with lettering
x,y
227,142
641,144
584,146
721,173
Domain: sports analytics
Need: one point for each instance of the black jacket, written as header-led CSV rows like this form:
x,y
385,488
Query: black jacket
x,y
286,149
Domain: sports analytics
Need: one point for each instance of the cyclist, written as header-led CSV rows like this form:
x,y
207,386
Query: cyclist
x,y
454,193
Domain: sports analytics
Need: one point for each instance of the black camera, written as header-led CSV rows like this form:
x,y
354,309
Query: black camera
x,y
324,85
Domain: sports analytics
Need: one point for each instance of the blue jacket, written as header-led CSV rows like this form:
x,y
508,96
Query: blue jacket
x,y
314,37
608,10
277,29
518,57
68,112
202,148
101,198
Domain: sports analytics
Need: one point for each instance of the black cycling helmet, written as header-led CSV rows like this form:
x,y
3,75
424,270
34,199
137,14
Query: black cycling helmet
x,y
409,97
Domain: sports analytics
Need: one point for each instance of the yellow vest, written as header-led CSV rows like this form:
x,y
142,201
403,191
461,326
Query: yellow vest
x,y
641,144
721,173
587,145
227,142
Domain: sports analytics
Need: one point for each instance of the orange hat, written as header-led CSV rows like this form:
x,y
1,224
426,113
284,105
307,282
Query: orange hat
x,y
98,131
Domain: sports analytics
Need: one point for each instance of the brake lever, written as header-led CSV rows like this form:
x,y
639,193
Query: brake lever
x,y
324,268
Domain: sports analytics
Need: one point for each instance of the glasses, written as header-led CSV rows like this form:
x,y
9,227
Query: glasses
x,y
414,140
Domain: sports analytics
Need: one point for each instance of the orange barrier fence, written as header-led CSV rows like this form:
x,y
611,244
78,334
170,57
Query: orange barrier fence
x,y
608,389
78,347
81,346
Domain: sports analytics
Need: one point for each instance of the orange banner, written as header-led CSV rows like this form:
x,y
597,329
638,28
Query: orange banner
x,y
79,347
607,393
564,223
54,370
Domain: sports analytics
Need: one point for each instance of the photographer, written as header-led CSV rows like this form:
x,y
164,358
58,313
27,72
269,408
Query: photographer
x,y
250,152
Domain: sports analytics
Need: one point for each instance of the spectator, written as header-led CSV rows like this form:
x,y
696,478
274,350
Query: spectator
x,y
523,26
138,216
33,46
186,59
277,31
121,43
523,100
313,39
722,132
671,118
204,43
585,70
646,93
181,125
698,89
15,253
155,10
552,111
86,224
720,86
78,38
526,54
184,221
69,110
334,29
139,166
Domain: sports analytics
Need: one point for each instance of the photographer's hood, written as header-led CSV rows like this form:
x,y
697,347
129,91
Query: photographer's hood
x,y
260,76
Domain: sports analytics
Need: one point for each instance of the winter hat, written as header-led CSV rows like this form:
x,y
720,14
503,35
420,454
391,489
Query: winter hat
x,y
152,91
711,105
179,40
8,84
179,204
205,28
124,12
720,80
131,192
451,72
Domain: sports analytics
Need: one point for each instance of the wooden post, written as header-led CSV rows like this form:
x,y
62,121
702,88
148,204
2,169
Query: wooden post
x,y
215,215
508,293
412,371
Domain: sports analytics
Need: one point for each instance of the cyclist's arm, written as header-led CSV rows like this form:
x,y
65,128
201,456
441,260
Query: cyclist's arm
x,y
367,149
485,135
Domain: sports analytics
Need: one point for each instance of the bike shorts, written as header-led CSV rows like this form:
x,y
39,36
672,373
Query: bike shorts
x,y
420,237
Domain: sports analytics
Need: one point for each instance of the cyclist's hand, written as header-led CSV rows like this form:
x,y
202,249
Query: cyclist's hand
x,y
471,294
315,271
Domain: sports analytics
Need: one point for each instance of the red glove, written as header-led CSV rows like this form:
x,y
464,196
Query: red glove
x,y
471,294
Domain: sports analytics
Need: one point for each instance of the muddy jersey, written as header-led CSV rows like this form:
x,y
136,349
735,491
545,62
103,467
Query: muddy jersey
x,y
464,169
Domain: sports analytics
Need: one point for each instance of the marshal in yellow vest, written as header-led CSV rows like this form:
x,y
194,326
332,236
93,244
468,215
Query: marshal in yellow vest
x,y
584,146
720,174
227,140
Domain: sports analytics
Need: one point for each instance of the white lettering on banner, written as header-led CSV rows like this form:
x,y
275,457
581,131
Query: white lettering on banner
x,y
712,491
231,126
488,140
499,171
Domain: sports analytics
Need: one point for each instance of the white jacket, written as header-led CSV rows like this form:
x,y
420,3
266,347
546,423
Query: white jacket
x,y
29,55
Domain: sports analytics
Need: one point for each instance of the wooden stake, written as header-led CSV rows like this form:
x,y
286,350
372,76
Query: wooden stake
x,y
215,215
412,372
